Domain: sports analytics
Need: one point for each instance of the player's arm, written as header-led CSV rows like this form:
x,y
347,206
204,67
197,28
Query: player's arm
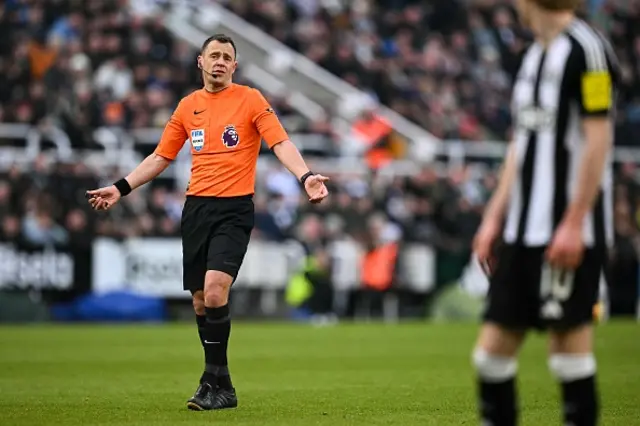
x,y
497,206
599,140
171,142
595,96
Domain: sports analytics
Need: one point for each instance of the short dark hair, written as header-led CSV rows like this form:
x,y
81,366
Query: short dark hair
x,y
556,5
220,38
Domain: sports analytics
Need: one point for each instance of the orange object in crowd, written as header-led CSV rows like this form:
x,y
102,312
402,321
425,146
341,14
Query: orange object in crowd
x,y
41,58
371,131
378,267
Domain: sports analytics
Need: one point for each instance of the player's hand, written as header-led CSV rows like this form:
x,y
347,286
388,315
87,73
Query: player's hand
x,y
484,243
316,189
103,198
567,247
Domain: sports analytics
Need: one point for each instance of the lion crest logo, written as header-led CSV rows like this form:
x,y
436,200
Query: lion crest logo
x,y
230,137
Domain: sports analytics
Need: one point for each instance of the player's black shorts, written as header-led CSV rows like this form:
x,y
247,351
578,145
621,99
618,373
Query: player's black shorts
x,y
526,293
215,236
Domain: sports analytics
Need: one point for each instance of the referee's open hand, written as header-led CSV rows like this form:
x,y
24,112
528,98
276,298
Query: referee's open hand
x,y
567,247
316,189
103,198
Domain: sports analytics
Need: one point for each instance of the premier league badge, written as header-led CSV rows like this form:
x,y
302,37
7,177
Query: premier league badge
x,y
230,137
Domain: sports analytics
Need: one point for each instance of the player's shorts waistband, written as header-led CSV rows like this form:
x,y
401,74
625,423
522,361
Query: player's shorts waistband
x,y
212,199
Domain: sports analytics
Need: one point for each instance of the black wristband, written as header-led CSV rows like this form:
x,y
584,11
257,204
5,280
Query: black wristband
x,y
305,176
123,186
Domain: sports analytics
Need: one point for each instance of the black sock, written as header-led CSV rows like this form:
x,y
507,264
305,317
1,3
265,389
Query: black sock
x,y
581,403
201,320
498,406
218,328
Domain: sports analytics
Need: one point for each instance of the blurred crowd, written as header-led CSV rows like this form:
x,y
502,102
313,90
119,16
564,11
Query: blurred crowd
x,y
445,64
45,204
83,65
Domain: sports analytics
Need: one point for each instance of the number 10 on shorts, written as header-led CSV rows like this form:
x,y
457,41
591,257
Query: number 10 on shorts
x,y
556,287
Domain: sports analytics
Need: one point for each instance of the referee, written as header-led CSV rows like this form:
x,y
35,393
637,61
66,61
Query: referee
x,y
224,123
553,207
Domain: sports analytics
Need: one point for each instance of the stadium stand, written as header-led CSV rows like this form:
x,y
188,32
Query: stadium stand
x,y
446,65
90,65
102,74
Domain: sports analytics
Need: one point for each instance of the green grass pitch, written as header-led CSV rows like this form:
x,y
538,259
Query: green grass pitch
x,y
285,374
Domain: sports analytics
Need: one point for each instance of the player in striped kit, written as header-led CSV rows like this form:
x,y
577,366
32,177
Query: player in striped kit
x,y
553,211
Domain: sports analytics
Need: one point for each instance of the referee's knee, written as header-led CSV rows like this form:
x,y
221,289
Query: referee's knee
x,y
216,289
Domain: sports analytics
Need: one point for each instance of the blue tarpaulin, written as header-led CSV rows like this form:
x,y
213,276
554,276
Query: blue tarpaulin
x,y
112,307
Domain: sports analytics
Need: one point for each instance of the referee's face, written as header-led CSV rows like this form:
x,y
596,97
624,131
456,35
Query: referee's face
x,y
219,63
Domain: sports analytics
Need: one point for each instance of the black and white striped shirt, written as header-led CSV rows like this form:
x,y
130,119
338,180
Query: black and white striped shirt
x,y
574,77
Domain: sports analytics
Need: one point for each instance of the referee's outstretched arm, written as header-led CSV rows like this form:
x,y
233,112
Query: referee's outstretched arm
x,y
147,170
290,157
173,139
154,165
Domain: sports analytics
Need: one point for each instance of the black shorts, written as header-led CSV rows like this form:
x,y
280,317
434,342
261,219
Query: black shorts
x,y
526,293
215,236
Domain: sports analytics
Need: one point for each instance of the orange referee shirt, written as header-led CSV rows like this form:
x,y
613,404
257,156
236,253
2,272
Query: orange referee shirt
x,y
225,130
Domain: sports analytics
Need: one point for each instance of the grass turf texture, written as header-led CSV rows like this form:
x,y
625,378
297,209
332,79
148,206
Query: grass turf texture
x,y
412,374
